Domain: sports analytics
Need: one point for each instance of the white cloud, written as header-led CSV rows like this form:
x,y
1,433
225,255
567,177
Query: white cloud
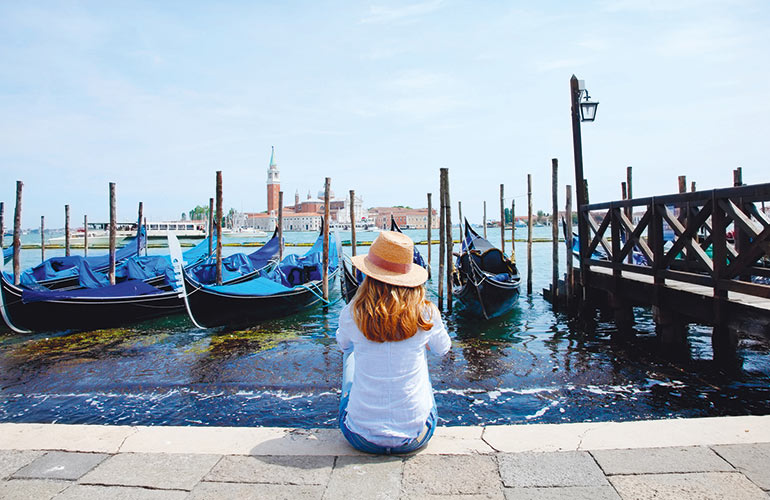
x,y
544,66
383,15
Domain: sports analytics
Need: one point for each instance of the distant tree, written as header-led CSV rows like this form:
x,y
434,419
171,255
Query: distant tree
x,y
507,215
184,216
199,213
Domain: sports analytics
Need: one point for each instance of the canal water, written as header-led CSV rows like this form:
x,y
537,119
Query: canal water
x,y
531,366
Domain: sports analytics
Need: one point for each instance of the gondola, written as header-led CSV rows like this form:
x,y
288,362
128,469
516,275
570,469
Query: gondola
x,y
292,286
350,281
486,282
147,290
7,254
131,301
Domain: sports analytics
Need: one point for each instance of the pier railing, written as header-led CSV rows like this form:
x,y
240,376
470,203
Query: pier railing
x,y
718,239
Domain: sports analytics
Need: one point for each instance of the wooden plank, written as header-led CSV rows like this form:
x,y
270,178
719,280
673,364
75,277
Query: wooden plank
x,y
751,289
696,279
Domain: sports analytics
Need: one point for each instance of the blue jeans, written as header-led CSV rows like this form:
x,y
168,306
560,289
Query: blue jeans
x,y
361,444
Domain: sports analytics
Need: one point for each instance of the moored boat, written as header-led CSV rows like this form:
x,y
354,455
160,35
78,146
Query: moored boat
x,y
486,281
293,285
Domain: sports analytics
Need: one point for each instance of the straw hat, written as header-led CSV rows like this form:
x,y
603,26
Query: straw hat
x,y
390,260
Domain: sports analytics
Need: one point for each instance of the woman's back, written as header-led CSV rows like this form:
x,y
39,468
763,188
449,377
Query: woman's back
x,y
392,394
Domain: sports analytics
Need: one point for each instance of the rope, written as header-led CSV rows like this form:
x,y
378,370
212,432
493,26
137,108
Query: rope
x,y
320,297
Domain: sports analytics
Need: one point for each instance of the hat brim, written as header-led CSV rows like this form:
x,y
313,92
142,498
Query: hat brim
x,y
416,276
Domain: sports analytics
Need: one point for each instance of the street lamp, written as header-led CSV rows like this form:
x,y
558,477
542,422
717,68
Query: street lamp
x,y
587,107
587,112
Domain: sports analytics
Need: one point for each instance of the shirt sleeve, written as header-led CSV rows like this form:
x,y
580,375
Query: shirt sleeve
x,y
344,330
438,338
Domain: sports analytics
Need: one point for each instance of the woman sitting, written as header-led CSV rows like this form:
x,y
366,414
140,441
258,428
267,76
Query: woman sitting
x,y
387,403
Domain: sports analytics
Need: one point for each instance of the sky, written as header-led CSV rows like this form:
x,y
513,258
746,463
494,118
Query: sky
x,y
378,96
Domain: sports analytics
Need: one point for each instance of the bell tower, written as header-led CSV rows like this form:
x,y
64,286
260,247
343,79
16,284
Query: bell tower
x,y
273,183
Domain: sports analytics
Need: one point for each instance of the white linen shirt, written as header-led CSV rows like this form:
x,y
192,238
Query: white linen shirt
x,y
391,395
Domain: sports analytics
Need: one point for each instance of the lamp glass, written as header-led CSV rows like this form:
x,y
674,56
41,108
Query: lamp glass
x,y
588,111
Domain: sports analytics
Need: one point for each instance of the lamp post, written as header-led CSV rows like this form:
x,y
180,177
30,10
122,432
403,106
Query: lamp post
x,y
581,111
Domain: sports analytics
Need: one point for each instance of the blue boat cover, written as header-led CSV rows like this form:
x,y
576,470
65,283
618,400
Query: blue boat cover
x,y
259,287
130,288
237,265
63,267
147,267
292,271
100,262
67,267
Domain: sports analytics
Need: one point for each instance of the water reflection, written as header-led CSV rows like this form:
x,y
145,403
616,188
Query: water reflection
x,y
532,365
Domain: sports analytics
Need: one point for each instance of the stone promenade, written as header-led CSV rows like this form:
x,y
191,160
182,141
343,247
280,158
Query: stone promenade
x,y
719,458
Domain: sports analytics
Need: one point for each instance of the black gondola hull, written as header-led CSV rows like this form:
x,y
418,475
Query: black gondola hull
x,y
85,313
349,282
212,309
489,299
486,288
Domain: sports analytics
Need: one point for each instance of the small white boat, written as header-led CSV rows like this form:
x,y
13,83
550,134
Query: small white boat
x,y
247,232
179,228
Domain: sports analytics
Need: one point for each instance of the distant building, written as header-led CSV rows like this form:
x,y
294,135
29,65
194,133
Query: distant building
x,y
406,218
305,215
273,183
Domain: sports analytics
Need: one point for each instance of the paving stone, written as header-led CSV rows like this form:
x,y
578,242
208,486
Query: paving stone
x,y
569,468
701,485
751,459
25,489
560,493
91,492
152,470
365,478
660,460
496,494
450,475
273,469
13,460
61,465
241,491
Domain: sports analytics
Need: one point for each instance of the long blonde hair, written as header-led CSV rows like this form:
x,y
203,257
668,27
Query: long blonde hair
x,y
389,313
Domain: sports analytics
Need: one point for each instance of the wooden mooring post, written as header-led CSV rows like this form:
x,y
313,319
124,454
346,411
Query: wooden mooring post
x,y
113,232
2,225
449,243
66,231
139,219
555,233
85,235
218,223
502,217
430,227
513,230
442,237
325,282
460,214
353,241
570,278
485,220
529,234
42,238
211,227
17,235
280,226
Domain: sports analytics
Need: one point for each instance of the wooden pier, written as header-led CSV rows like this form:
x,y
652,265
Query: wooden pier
x,y
700,257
